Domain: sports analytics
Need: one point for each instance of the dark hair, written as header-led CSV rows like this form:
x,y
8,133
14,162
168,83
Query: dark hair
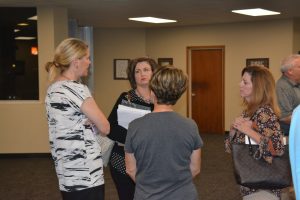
x,y
132,65
168,84
263,89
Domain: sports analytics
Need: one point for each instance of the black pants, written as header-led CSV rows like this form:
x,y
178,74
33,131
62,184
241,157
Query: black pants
x,y
94,193
124,184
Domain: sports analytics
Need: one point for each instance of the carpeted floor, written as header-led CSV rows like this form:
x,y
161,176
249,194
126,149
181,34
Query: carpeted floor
x,y
35,179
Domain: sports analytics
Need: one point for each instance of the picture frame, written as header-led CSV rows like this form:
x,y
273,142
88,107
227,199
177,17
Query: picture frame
x,y
257,61
165,61
120,68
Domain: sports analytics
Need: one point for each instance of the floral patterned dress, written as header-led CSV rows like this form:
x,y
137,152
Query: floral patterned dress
x,y
266,123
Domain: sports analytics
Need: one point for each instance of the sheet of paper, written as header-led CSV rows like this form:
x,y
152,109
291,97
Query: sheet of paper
x,y
254,143
128,114
251,140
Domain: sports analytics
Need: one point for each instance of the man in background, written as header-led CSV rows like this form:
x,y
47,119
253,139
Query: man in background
x,y
288,95
288,90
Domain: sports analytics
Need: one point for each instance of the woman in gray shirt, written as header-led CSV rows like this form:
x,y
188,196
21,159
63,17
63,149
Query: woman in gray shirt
x,y
163,148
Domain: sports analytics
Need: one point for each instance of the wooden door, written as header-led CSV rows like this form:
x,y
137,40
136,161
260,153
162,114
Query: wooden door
x,y
207,89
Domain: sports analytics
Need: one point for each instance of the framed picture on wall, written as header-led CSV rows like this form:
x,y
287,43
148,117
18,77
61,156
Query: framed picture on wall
x,y
257,61
120,67
165,61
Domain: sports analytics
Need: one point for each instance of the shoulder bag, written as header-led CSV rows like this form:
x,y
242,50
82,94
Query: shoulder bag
x,y
106,145
257,173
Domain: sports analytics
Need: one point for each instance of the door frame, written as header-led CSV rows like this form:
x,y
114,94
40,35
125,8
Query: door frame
x,y
189,49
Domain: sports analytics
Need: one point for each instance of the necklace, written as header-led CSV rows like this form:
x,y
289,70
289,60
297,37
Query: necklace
x,y
141,97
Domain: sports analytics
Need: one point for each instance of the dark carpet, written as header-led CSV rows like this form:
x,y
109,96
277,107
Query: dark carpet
x,y
33,178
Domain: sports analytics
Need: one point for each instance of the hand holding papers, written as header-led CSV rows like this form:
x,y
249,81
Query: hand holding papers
x,y
127,114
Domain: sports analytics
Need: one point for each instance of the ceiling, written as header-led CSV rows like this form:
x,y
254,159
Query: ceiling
x,y
115,13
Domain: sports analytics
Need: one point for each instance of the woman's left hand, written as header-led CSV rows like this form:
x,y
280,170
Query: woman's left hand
x,y
244,125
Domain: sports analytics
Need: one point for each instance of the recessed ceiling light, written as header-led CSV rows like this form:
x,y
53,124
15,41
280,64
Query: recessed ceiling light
x,y
22,24
256,12
24,38
33,17
152,20
16,30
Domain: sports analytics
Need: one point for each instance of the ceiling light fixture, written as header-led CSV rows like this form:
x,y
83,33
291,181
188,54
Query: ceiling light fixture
x,y
33,18
24,38
256,12
22,24
152,20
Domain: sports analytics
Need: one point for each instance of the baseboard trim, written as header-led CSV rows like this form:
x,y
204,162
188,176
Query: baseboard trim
x,y
25,155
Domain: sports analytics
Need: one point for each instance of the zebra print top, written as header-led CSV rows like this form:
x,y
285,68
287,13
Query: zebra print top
x,y
74,149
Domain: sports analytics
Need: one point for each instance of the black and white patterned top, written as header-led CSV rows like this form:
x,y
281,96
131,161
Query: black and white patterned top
x,y
75,151
119,133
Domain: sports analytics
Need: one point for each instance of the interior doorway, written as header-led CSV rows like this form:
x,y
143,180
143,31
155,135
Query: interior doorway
x,y
206,88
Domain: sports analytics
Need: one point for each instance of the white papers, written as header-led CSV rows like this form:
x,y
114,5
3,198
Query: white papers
x,y
251,140
128,114
254,143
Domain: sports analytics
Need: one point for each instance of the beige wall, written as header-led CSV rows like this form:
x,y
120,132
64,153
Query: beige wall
x,y
23,124
296,36
272,39
110,44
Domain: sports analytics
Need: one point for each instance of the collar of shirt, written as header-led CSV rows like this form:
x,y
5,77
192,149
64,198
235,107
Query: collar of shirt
x,y
293,83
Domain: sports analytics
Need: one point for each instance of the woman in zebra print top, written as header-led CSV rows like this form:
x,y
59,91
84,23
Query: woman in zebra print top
x,y
72,113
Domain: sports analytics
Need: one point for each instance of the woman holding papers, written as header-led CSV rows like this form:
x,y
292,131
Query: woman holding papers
x,y
163,148
130,105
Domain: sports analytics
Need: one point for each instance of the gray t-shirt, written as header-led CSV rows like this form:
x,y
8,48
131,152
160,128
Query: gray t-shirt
x,y
288,95
162,144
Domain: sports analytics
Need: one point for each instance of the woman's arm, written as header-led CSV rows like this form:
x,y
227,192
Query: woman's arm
x,y
265,130
95,115
130,163
244,125
195,164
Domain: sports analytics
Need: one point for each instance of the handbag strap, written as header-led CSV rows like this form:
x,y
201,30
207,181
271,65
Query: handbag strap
x,y
250,147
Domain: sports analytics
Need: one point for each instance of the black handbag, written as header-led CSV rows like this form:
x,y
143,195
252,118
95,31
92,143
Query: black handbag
x,y
257,173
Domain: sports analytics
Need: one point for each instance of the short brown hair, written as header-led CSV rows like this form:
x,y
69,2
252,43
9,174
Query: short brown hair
x,y
132,65
263,92
168,84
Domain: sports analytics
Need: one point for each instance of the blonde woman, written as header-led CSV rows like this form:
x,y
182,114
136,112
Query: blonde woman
x,y
72,115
